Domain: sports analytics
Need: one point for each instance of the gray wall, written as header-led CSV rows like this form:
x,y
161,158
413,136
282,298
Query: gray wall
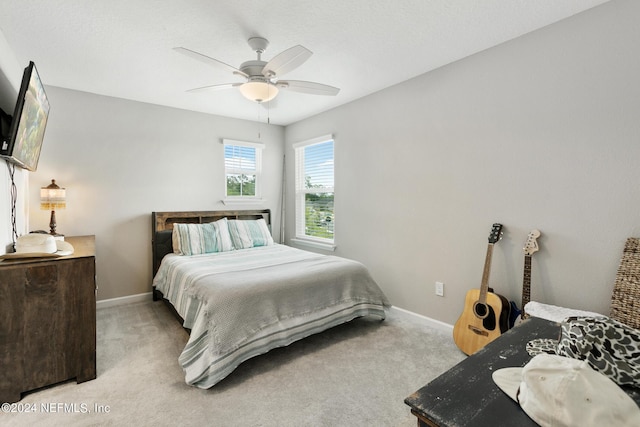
x,y
120,160
540,132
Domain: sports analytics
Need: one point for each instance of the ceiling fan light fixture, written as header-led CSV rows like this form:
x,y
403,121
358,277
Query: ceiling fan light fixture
x,y
263,78
257,91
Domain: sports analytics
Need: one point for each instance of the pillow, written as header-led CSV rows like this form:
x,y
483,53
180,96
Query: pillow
x,y
195,239
249,233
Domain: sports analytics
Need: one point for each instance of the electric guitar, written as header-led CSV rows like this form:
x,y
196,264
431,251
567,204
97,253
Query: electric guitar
x,y
530,247
486,314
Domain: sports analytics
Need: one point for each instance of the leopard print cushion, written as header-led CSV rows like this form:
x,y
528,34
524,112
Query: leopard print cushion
x,y
607,345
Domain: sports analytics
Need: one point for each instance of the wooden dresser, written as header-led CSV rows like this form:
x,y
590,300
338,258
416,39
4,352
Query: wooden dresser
x,y
47,320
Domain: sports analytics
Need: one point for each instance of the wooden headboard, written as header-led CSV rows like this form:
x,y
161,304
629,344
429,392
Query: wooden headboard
x,y
162,227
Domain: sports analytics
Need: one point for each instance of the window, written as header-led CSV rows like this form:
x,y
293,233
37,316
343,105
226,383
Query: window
x,y
242,168
314,190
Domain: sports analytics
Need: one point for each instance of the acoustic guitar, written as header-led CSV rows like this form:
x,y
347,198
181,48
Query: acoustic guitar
x,y
530,247
486,314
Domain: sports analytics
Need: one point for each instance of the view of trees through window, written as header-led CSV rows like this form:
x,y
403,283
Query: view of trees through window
x,y
241,185
319,215
242,169
317,190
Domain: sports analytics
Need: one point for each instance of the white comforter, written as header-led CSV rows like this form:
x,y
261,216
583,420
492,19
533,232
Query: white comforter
x,y
246,302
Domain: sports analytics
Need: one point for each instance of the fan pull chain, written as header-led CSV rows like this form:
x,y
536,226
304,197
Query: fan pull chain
x,y
259,123
268,114
260,118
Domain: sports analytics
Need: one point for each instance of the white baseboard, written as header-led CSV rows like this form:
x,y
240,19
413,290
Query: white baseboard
x,y
111,302
431,322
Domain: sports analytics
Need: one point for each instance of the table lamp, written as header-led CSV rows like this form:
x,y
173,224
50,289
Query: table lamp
x,y
52,197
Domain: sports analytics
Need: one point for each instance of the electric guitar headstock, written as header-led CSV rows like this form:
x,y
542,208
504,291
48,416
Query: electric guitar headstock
x,y
531,245
496,233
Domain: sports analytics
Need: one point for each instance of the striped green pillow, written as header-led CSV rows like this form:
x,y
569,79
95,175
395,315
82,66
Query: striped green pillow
x,y
249,233
195,239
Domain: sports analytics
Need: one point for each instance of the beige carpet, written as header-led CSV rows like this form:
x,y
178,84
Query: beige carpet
x,y
356,374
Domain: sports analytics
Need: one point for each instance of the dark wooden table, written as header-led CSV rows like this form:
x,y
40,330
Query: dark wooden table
x,y
466,395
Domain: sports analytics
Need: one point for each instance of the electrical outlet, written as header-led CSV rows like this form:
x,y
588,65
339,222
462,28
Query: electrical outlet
x,y
440,289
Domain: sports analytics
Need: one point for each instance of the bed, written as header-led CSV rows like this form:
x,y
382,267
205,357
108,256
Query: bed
x,y
241,294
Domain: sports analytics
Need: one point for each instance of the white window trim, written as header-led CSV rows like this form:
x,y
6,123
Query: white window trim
x,y
244,200
259,145
300,238
237,200
316,140
312,243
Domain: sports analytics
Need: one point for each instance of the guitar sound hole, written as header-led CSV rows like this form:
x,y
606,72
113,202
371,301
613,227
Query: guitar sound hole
x,y
480,310
487,314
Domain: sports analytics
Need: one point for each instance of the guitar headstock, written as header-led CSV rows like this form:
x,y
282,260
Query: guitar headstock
x,y
496,233
531,245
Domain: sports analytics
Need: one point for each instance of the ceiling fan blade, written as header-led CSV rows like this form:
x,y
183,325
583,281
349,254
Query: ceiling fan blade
x,y
286,61
208,60
215,87
308,87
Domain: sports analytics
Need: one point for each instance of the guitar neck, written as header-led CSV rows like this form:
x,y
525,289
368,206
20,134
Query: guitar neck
x,y
484,286
526,282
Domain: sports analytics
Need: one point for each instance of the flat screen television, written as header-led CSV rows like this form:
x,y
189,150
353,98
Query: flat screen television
x,y
22,138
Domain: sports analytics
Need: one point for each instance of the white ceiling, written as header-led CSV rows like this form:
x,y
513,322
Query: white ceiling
x,y
123,48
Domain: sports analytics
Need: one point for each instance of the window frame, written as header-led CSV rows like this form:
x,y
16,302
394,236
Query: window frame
x,y
257,147
300,193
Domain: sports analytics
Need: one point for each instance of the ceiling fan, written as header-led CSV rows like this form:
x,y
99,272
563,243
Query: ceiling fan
x,y
263,78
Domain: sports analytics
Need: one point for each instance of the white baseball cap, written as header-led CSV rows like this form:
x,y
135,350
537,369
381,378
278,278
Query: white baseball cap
x,y
561,391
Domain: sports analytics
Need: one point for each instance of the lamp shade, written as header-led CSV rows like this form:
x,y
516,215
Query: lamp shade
x,y
52,197
259,91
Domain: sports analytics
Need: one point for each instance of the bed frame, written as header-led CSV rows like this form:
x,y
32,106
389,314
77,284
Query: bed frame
x,y
162,229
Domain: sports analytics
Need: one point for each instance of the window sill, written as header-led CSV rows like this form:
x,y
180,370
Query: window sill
x,y
315,245
247,201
